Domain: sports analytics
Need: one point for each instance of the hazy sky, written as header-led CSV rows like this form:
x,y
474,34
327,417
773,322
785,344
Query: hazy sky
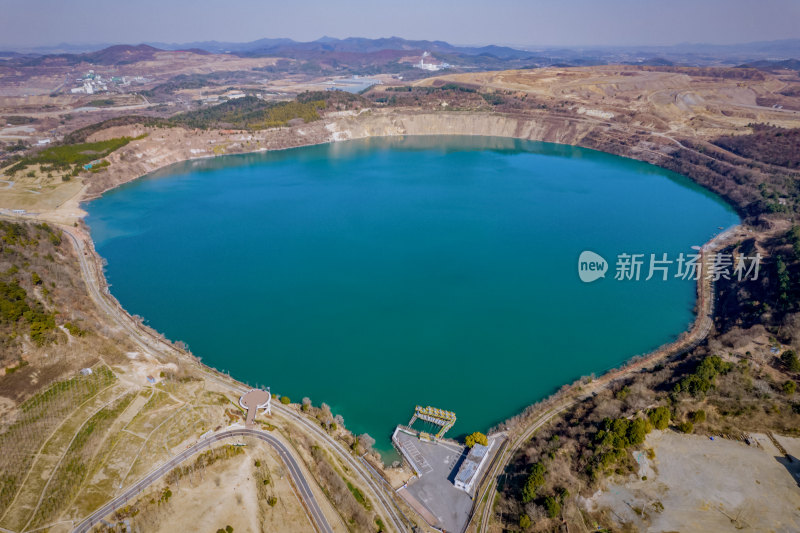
x,y
523,22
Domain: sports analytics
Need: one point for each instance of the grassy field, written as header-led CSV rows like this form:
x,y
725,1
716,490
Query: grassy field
x,y
250,113
66,481
67,157
81,440
38,417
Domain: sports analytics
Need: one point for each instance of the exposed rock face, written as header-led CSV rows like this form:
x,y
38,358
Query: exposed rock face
x,y
734,178
165,146
546,128
701,161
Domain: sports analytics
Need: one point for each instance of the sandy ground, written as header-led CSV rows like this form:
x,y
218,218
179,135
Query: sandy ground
x,y
696,105
231,488
631,99
288,514
31,86
696,484
143,366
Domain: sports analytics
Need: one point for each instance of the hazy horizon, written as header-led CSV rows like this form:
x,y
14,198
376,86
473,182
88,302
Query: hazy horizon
x,y
543,23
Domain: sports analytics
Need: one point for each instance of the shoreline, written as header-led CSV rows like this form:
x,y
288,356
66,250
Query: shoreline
x,y
690,327
159,344
539,414
178,145
529,420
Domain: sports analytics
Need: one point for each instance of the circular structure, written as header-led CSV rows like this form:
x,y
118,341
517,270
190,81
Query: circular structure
x,y
253,401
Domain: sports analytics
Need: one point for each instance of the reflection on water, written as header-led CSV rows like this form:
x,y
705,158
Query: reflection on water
x,y
378,274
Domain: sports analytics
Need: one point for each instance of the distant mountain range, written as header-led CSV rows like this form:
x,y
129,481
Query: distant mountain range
x,y
118,54
786,64
358,52
357,45
352,54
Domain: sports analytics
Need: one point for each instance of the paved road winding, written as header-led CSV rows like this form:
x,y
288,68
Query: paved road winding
x,y
151,343
390,508
300,483
699,331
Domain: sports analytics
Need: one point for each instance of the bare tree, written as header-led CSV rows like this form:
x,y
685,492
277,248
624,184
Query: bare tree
x,y
366,442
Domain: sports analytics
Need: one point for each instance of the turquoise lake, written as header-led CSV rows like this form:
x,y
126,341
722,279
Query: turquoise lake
x,y
379,274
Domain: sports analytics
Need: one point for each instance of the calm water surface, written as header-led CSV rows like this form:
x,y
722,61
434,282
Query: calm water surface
x,y
379,274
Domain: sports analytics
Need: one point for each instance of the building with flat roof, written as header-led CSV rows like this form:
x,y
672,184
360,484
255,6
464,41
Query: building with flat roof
x,y
468,473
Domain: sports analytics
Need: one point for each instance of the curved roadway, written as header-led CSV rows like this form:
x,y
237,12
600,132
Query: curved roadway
x,y
699,331
302,486
150,342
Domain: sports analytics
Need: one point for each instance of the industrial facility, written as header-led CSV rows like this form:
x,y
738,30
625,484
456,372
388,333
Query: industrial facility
x,y
468,473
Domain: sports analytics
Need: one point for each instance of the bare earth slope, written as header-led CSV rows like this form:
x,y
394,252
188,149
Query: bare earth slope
x,y
666,116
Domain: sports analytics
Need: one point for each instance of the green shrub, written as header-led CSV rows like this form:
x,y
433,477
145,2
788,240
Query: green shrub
x,y
790,360
524,521
552,506
621,433
704,376
637,431
99,166
698,417
250,113
66,156
358,495
686,427
789,387
659,417
285,400
492,98
534,482
75,331
476,438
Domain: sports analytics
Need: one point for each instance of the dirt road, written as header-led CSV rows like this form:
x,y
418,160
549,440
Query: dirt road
x,y
699,331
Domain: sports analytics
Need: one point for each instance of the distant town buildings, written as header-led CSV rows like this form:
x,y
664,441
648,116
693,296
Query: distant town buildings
x,y
431,65
92,82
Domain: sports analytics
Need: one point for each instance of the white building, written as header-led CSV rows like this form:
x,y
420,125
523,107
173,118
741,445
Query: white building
x,y
430,66
467,475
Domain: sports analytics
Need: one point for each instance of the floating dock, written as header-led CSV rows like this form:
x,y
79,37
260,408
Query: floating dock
x,y
444,419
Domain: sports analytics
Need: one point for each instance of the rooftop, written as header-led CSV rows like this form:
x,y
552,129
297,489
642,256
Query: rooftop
x,y
470,465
